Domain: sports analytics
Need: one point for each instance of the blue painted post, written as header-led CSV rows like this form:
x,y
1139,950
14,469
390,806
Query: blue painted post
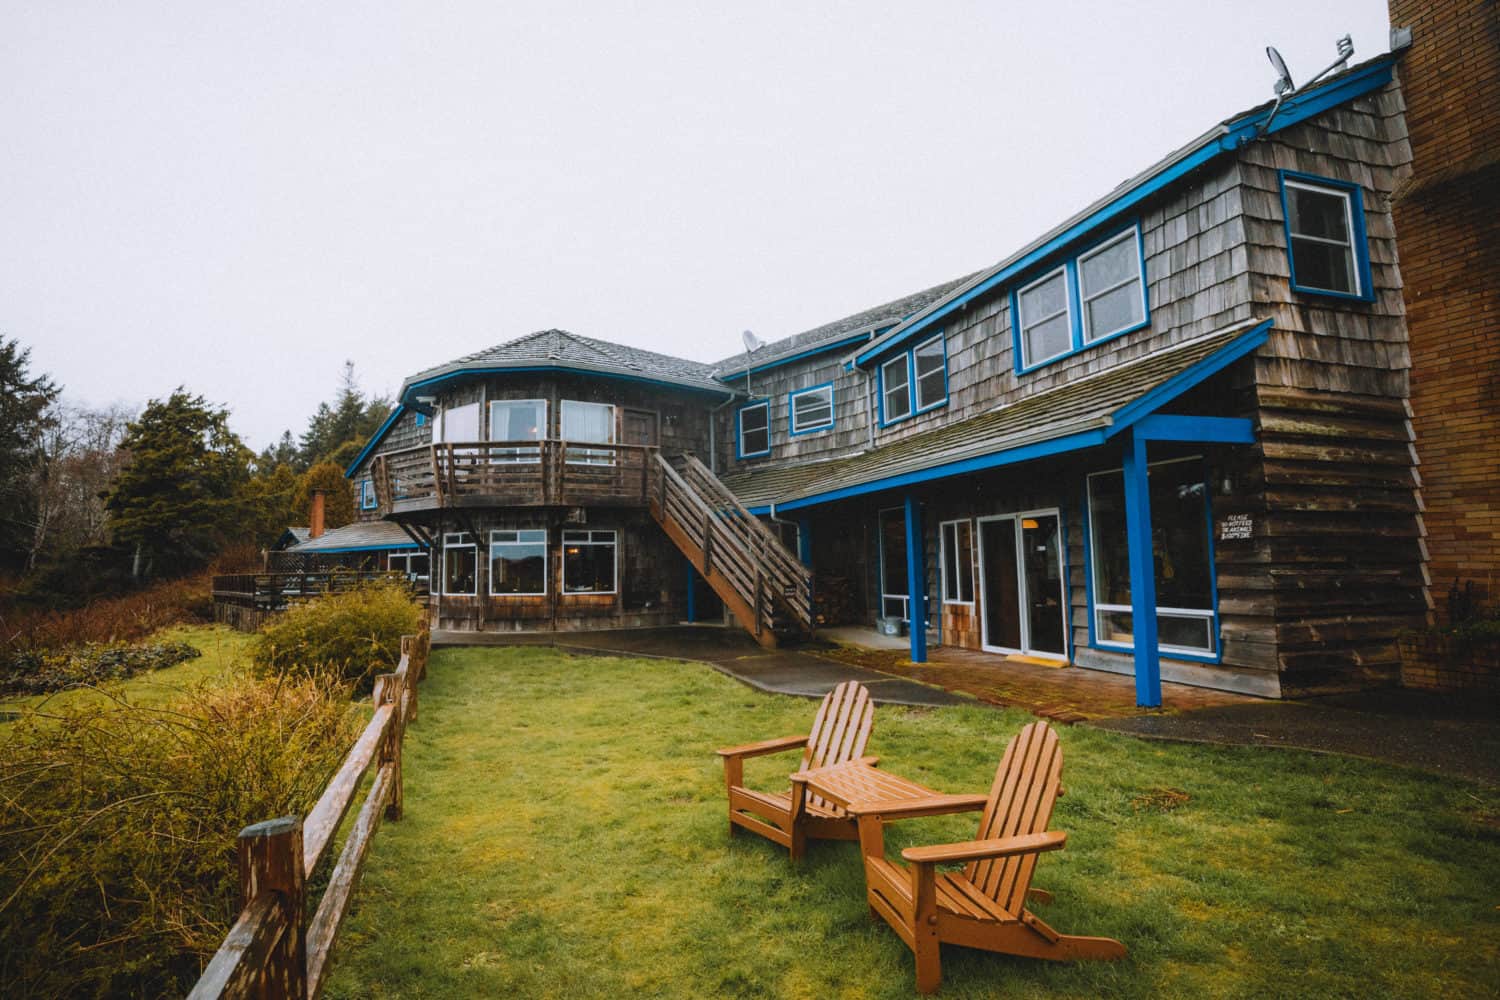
x,y
804,540
692,596
1142,575
916,580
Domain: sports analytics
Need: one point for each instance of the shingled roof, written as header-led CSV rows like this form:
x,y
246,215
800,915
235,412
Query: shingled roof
x,y
564,350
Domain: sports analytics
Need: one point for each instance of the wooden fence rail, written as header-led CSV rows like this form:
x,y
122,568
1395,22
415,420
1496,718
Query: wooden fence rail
x,y
275,950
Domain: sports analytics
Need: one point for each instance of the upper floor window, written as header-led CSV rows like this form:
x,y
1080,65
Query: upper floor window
x,y
1325,236
754,437
458,423
367,494
590,423
812,409
914,381
518,420
1097,295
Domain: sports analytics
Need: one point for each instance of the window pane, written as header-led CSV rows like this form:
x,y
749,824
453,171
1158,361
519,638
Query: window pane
x,y
518,567
812,409
1047,339
1048,298
1107,521
459,565
1114,310
895,381
592,423
893,551
755,429
1323,265
1318,213
928,361
460,423
518,420
965,561
588,568
1109,266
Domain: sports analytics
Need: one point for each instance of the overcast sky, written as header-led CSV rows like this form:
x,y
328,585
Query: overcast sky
x,y
238,196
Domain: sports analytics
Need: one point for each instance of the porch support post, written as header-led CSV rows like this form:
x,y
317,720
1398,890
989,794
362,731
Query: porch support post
x,y
916,580
692,596
1142,575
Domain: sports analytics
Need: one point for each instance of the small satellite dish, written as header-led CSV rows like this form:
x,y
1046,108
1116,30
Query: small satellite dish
x,y
752,342
1283,83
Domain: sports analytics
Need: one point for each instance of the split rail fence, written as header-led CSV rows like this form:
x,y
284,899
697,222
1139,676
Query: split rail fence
x,y
274,950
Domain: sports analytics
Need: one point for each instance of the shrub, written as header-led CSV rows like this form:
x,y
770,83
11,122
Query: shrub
x,y
42,671
356,633
112,619
117,842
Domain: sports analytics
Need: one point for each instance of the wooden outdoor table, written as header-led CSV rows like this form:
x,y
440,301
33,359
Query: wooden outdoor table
x,y
856,786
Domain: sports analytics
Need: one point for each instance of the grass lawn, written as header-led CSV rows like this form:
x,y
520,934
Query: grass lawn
x,y
565,836
225,652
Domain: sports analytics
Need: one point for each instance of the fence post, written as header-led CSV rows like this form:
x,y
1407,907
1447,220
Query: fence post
x,y
388,691
271,861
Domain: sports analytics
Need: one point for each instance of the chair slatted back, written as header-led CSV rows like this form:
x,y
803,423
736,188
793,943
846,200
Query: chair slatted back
x,y
840,731
1021,802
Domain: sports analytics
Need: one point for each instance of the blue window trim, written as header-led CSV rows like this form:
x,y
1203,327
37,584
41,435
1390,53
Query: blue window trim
x,y
791,411
421,419
910,356
1360,241
739,419
367,499
1069,267
1088,575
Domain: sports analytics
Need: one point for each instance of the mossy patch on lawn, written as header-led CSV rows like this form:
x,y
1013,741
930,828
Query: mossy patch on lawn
x,y
565,836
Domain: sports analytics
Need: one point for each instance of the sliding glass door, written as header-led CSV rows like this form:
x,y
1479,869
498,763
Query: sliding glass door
x,y
1021,584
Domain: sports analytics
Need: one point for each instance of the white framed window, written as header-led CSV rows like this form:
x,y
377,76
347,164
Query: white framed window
x,y
590,562
1185,615
929,362
812,409
518,420
1112,286
518,562
367,494
458,423
957,561
460,565
895,389
1325,235
754,429
588,423
412,564
1044,318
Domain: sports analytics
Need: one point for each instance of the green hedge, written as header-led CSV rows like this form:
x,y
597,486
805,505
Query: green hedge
x,y
356,634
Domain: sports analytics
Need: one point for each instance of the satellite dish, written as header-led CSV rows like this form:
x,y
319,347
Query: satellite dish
x,y
1283,83
752,342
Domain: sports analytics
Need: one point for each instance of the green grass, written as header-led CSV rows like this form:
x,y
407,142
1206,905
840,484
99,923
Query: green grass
x,y
225,652
565,836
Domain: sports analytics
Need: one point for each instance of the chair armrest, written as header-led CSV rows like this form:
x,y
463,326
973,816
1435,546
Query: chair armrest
x,y
977,850
932,805
764,747
803,776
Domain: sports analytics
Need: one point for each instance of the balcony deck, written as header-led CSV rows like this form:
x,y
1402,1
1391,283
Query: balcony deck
x,y
549,473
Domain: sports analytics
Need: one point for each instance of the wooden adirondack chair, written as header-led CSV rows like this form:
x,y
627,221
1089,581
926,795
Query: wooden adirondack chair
x,y
839,733
982,905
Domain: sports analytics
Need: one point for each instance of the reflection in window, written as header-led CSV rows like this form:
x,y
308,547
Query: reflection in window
x,y
958,562
518,562
460,565
589,562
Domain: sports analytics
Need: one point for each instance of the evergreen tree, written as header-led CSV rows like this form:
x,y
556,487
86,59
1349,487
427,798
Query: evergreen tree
x,y
24,403
350,418
178,499
338,503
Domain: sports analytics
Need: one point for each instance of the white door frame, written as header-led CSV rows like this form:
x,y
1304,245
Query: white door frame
x,y
1021,593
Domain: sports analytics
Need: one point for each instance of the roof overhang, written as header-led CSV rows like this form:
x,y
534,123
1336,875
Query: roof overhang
x,y
1128,197
440,376
375,439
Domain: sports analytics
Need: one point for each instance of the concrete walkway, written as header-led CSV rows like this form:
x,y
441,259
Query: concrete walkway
x,y
729,651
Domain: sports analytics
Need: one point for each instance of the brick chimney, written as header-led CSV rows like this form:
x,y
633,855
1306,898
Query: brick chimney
x,y
1447,217
315,517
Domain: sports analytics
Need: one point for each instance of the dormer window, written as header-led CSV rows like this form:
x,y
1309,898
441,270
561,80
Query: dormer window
x,y
811,409
1044,318
754,427
895,389
1110,288
1325,236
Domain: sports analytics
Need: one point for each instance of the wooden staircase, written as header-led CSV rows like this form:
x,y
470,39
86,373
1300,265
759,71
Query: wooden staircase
x,y
764,584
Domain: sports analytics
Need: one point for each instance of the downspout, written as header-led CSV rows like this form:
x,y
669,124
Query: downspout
x,y
870,403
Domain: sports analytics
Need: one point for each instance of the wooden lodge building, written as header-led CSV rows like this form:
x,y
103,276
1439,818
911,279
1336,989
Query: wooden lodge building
x,y
1169,438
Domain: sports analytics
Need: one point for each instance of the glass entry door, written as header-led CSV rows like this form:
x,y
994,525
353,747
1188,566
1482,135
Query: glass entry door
x,y
1020,565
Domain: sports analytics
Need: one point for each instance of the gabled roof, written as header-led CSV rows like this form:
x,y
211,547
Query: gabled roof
x,y
564,351
846,332
1228,135
361,536
1079,414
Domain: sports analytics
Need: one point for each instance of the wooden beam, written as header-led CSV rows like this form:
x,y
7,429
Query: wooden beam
x,y
1197,430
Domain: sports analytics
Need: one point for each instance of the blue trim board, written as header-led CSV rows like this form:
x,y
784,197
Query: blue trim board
x,y
916,580
1245,344
739,449
375,438
1197,430
1138,541
791,410
811,352
1359,240
1233,135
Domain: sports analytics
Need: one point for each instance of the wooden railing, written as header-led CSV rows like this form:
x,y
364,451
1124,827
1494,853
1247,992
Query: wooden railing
x,y
274,950
513,473
273,591
735,543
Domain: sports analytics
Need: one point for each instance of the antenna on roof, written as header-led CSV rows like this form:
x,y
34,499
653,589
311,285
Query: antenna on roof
x,y
1284,86
752,344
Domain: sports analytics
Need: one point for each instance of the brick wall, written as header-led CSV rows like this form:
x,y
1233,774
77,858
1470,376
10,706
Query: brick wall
x,y
1448,227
